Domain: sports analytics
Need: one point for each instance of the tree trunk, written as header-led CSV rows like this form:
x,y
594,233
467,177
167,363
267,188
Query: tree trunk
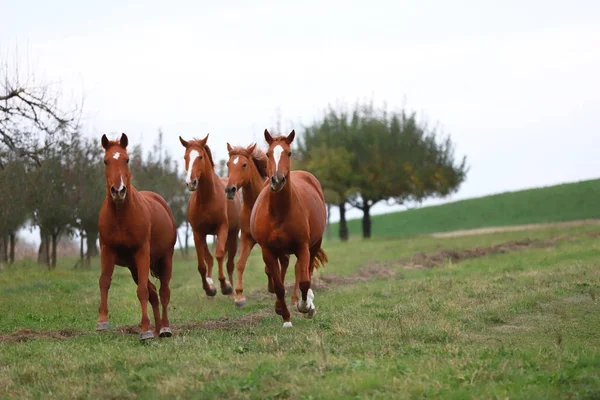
x,y
44,250
187,237
54,247
11,254
343,232
328,229
81,252
91,238
366,221
4,249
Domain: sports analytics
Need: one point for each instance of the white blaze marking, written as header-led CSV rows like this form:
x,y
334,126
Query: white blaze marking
x,y
236,160
277,156
193,155
117,155
122,183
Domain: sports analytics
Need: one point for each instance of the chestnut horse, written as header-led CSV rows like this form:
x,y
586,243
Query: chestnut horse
x,y
289,217
247,170
210,213
137,231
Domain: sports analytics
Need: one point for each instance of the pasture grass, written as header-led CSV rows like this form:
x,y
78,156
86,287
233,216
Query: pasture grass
x,y
560,203
523,324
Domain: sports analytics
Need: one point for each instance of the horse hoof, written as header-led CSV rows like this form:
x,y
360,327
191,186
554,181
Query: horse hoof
x,y
240,304
212,292
227,289
146,335
165,332
102,326
287,324
311,313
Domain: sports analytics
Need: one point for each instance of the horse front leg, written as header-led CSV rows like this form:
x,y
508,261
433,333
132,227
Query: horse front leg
x,y
142,263
285,262
226,287
247,244
207,283
107,259
273,266
305,305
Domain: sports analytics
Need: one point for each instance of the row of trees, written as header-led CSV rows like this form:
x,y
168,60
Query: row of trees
x,y
62,190
367,155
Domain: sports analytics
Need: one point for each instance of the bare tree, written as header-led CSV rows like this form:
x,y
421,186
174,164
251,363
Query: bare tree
x,y
30,110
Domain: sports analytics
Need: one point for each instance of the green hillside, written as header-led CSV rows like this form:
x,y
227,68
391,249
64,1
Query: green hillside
x,y
565,202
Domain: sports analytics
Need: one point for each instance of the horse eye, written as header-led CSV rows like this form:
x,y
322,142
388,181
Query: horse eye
x,y
200,157
244,166
268,155
105,162
290,154
127,161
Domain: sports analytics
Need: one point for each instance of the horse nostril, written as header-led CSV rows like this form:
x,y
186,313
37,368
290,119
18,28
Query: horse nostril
x,y
123,191
283,179
113,190
273,180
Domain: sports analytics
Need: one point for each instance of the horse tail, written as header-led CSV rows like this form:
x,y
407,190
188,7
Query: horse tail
x,y
320,259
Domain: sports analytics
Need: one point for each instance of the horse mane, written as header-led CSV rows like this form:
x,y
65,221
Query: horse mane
x,y
198,143
258,156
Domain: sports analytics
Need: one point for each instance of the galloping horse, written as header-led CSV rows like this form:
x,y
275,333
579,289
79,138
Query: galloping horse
x,y
210,213
137,231
289,218
247,170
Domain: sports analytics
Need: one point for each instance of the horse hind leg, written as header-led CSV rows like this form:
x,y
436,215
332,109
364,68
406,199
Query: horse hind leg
x,y
165,294
153,298
226,287
232,245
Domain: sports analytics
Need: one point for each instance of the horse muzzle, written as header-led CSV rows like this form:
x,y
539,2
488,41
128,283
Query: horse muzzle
x,y
230,191
277,182
118,195
192,185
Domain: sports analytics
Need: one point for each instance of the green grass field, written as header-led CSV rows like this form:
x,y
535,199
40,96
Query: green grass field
x,y
567,202
518,321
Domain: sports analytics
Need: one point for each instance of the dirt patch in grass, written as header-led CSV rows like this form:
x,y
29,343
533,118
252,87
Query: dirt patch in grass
x,y
514,228
390,269
24,335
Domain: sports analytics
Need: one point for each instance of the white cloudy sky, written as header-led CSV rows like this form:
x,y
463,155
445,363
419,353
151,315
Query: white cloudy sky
x,y
516,83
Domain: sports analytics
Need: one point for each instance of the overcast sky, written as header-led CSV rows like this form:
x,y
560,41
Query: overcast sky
x,y
516,84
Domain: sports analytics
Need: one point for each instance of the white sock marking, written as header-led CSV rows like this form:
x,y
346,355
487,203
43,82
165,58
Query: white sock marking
x,y
193,155
237,159
117,155
287,324
277,156
209,280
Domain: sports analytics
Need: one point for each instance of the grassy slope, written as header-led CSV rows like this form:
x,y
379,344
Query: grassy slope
x,y
567,202
517,325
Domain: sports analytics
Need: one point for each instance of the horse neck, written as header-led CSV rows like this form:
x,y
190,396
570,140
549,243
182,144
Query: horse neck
x,y
206,186
251,189
279,202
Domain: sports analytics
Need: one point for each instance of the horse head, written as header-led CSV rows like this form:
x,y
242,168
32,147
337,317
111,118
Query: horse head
x,y
116,161
280,157
198,161
238,168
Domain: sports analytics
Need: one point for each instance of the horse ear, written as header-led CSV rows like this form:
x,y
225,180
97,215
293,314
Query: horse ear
x,y
268,137
251,148
124,141
290,138
183,142
203,141
229,148
105,142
